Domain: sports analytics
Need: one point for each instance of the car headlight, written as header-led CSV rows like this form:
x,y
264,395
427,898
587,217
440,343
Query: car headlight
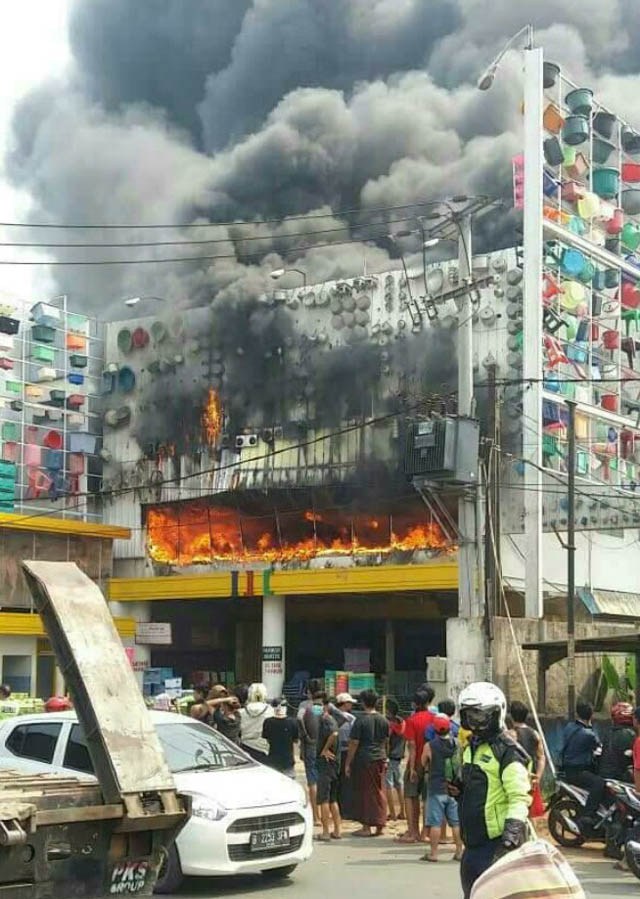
x,y
205,807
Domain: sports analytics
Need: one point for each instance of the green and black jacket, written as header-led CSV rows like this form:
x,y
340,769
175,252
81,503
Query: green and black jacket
x,y
495,787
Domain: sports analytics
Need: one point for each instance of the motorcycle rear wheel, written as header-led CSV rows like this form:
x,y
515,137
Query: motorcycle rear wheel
x,y
633,860
557,827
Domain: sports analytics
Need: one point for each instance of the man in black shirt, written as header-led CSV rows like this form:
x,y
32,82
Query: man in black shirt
x,y
281,733
327,759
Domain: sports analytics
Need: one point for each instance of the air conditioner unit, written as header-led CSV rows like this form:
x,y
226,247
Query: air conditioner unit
x,y
443,449
245,440
436,669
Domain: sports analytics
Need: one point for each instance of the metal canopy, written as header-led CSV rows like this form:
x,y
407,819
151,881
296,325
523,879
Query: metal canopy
x,y
553,651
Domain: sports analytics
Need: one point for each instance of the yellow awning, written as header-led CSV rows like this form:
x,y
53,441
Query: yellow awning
x,y
25,624
430,577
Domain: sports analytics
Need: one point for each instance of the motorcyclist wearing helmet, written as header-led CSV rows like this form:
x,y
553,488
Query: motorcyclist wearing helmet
x,y
616,762
495,783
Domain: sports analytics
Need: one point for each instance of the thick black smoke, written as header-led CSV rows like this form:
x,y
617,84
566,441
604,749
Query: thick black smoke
x,y
244,110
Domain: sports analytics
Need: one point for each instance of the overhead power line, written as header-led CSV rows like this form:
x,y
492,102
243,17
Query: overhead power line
x,y
281,235
334,213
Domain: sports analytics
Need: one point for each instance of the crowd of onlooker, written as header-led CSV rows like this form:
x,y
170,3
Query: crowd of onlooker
x,y
370,768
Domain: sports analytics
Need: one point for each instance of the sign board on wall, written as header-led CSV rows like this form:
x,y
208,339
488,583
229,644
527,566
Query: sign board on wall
x,y
153,633
272,660
272,653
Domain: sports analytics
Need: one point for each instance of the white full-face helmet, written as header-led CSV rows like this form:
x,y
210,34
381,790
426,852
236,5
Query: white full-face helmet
x,y
483,709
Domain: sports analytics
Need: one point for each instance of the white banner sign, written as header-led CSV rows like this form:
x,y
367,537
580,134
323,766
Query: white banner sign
x,y
153,633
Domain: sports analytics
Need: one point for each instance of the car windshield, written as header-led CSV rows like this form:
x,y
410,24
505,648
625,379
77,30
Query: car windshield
x,y
190,746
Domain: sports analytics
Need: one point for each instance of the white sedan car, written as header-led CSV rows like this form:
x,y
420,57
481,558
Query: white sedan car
x,y
245,817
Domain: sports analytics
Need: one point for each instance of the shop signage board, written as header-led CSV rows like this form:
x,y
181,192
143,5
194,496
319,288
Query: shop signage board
x,y
153,633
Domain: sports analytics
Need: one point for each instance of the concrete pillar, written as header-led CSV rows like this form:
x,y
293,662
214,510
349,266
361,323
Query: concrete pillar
x,y
140,612
273,644
466,654
389,647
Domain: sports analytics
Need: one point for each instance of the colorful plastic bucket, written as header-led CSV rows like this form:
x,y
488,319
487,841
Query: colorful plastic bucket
x,y
52,440
124,340
603,123
572,295
572,262
580,101
630,200
631,172
609,401
630,298
575,130
550,72
587,272
630,236
606,182
616,222
140,338
552,119
588,205
553,153
601,150
126,379
611,340
630,140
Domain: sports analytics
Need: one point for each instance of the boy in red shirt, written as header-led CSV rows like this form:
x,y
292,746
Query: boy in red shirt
x,y
415,727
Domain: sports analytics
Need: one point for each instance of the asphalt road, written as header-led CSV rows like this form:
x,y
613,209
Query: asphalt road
x,y
380,869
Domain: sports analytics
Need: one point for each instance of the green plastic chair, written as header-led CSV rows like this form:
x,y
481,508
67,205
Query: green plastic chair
x,y
629,316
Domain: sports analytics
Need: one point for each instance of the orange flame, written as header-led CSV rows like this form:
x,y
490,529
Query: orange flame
x,y
212,418
197,532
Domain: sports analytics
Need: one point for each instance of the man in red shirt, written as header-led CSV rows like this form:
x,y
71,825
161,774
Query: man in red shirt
x,y
415,727
636,749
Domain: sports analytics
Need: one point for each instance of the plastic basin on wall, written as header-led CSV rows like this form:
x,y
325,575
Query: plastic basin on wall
x,y
580,101
43,333
575,130
53,440
126,379
630,200
603,123
124,340
606,182
631,172
601,150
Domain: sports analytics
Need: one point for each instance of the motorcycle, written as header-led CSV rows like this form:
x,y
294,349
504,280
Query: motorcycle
x,y
567,807
628,817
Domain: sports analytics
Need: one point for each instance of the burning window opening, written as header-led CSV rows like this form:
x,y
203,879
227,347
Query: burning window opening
x,y
200,533
212,418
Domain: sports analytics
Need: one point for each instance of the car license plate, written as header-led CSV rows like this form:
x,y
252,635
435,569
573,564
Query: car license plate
x,y
270,839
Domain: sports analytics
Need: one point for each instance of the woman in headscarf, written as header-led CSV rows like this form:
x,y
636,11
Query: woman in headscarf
x,y
252,718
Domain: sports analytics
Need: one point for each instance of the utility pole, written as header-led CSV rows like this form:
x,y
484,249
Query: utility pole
x,y
571,561
470,605
492,518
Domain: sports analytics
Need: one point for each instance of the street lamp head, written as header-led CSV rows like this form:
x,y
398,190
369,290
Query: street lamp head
x,y
486,80
488,77
431,242
133,301
277,273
